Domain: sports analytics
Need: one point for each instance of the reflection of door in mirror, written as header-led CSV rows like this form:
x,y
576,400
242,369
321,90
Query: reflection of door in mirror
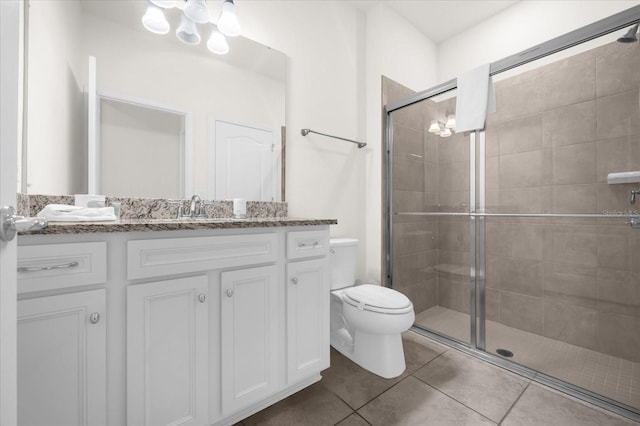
x,y
246,162
138,151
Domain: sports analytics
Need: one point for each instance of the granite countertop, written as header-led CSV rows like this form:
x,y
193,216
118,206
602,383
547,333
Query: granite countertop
x,y
137,225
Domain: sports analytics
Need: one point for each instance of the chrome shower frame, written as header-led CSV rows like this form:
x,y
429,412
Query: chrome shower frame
x,y
477,213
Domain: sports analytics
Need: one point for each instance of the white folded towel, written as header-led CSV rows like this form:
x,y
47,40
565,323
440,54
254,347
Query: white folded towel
x,y
66,213
475,99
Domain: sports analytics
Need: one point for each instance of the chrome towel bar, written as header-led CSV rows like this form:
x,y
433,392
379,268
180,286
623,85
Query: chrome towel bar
x,y
305,132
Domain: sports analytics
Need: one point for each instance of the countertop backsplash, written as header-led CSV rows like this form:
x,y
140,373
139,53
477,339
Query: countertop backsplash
x,y
154,208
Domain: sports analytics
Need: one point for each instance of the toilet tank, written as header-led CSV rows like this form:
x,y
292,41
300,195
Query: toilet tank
x,y
343,262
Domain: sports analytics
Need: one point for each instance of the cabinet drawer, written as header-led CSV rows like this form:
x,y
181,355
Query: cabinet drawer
x,y
302,244
153,258
54,266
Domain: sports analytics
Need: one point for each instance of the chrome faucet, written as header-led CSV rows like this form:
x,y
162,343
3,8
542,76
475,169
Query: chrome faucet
x,y
196,207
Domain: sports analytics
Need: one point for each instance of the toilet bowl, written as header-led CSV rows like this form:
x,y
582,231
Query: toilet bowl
x,y
367,320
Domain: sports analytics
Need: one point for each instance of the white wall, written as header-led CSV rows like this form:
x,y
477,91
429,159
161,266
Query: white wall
x,y
517,28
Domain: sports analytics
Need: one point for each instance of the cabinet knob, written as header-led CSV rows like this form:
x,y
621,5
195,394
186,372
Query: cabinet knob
x,y
229,293
94,318
202,298
294,280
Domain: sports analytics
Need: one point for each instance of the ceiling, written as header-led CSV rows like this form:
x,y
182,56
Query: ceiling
x,y
441,19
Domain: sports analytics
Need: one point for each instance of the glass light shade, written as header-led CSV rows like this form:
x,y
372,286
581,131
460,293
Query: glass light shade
x,y
228,20
217,43
197,11
434,127
187,31
165,4
451,122
154,20
445,133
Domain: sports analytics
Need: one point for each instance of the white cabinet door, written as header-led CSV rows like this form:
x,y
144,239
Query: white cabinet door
x,y
307,318
167,352
249,336
62,360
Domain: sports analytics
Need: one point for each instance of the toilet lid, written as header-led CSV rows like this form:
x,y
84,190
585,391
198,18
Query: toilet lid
x,y
378,299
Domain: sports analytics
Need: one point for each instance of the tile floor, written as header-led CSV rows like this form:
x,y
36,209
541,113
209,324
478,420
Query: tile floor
x,y
603,374
440,387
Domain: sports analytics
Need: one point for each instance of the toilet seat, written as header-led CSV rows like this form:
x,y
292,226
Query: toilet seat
x,y
375,298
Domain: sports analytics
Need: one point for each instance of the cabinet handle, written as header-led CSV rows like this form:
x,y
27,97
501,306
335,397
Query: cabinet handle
x,y
94,318
229,293
294,280
303,245
48,268
202,298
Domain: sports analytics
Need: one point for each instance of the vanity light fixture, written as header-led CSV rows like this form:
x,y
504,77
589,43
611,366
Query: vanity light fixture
x,y
441,129
187,31
197,11
217,43
435,127
154,20
194,12
165,4
451,121
228,20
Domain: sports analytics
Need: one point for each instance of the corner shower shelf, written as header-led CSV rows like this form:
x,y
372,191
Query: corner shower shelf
x,y
623,177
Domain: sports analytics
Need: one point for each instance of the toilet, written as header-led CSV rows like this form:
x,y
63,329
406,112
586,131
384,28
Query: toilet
x,y
366,320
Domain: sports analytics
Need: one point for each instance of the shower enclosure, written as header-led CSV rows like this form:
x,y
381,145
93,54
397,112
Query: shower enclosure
x,y
514,243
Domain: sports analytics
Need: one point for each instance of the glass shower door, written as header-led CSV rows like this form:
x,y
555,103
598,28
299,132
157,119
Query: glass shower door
x,y
430,259
562,276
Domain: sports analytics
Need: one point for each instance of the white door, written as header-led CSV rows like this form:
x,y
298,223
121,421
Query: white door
x,y
307,318
167,352
62,360
246,163
249,336
9,89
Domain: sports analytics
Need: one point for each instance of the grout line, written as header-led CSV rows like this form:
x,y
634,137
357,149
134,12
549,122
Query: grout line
x,y
346,417
363,419
384,391
514,403
459,402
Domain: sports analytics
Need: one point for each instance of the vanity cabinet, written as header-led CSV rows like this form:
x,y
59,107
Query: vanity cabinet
x,y
307,288
249,336
61,338
307,318
167,353
62,359
204,327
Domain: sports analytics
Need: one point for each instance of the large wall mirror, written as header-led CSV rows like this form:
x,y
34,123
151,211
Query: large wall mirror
x,y
163,119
